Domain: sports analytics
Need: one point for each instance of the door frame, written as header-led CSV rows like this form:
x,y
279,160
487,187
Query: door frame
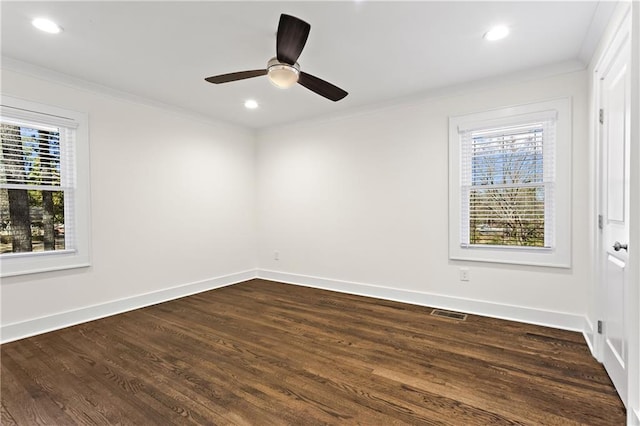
x,y
621,35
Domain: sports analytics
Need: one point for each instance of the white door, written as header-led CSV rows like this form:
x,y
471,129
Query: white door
x,y
614,102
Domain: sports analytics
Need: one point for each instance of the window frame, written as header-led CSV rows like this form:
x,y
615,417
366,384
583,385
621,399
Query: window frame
x,y
559,255
14,264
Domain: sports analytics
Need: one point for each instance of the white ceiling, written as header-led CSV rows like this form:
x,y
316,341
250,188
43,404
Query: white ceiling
x,y
377,51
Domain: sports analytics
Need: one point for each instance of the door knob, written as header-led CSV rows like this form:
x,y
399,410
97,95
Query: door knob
x,y
617,246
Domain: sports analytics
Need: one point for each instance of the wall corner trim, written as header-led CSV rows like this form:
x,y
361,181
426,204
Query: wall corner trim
x,y
32,327
541,317
588,334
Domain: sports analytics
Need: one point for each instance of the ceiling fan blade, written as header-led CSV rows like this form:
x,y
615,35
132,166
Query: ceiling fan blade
x,y
321,87
292,36
226,78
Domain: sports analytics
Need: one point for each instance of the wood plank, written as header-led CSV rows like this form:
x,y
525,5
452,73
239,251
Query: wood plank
x,y
261,352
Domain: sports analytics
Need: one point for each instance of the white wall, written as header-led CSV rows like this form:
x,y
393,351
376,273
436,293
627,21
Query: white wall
x,y
172,204
362,199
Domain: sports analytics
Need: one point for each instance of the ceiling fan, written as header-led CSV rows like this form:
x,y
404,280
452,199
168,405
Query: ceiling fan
x,y
283,70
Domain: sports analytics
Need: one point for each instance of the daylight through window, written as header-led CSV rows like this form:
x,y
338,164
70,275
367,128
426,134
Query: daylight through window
x,y
36,187
507,179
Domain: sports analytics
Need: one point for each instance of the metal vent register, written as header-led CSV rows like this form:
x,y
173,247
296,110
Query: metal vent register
x,y
458,316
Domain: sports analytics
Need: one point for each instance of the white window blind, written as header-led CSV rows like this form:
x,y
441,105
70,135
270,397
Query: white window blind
x,y
29,147
507,178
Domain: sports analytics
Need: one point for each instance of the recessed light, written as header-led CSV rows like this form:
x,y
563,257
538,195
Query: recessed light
x,y
496,33
250,104
46,25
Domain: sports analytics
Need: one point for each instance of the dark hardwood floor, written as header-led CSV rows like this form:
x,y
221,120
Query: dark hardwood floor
x,y
265,353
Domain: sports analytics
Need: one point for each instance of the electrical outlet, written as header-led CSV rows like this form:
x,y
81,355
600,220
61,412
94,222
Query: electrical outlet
x,y
276,255
464,274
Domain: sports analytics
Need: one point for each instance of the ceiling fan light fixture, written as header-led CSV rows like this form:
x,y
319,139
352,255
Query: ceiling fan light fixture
x,y
283,75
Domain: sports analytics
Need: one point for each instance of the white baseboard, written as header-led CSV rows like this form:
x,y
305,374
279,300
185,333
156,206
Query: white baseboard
x,y
634,418
20,330
546,318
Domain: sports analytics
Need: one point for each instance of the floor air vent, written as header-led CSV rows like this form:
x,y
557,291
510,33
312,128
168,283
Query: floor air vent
x,y
449,314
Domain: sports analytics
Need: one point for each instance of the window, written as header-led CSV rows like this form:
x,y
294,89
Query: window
x,y
510,174
44,191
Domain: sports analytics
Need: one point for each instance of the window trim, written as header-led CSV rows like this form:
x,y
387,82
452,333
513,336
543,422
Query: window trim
x,y
79,257
560,254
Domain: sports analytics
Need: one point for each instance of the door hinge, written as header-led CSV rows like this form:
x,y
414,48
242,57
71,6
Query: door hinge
x,y
601,116
600,222
599,327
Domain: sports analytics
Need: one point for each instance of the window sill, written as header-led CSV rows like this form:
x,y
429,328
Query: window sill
x,y
528,256
35,263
